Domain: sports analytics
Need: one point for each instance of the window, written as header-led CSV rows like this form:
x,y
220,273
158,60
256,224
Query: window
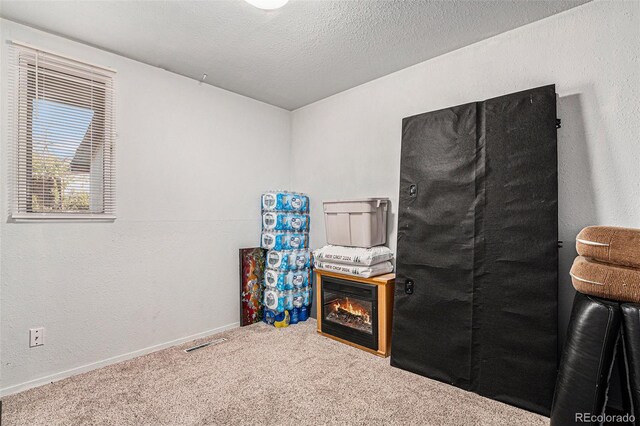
x,y
63,130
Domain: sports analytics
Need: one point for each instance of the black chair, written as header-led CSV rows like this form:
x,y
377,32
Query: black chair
x,y
599,332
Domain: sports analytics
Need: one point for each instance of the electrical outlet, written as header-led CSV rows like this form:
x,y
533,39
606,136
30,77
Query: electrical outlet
x,y
36,337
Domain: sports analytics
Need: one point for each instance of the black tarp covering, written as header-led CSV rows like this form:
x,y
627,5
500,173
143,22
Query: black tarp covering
x,y
477,236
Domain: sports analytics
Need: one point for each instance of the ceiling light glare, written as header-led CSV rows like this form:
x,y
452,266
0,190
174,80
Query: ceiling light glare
x,y
267,4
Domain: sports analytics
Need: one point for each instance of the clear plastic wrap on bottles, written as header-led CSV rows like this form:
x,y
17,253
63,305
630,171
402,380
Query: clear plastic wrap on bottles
x,y
279,221
278,240
288,299
276,279
300,259
306,296
278,260
285,201
274,300
300,278
289,260
298,299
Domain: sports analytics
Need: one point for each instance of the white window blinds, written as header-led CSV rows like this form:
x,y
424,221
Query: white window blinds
x,y
61,114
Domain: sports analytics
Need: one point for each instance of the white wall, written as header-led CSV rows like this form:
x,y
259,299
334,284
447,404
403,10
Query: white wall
x,y
348,145
188,191
167,268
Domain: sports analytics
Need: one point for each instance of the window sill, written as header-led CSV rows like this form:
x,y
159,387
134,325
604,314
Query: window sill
x,y
64,217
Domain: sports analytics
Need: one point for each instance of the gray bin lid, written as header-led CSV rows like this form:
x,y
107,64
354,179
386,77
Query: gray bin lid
x,y
355,205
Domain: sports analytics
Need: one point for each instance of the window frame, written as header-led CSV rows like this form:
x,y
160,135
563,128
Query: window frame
x,y
25,95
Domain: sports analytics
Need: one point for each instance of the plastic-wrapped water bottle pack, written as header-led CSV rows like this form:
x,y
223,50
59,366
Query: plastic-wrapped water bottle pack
x,y
288,278
288,260
280,240
294,222
285,201
279,301
281,280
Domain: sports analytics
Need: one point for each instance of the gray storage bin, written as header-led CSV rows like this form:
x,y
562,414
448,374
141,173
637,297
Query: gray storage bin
x,y
356,223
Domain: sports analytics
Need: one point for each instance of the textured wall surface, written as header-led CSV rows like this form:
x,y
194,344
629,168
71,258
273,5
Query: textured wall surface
x,y
288,57
592,55
167,268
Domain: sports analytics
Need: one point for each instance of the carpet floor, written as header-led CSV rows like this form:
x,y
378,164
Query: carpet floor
x,y
261,375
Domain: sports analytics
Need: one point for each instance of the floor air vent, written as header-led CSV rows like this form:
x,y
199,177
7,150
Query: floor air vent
x,y
204,345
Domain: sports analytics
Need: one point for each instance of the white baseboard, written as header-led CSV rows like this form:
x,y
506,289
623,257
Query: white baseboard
x,y
113,360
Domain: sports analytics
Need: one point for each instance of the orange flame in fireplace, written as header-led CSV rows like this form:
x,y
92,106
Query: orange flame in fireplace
x,y
352,308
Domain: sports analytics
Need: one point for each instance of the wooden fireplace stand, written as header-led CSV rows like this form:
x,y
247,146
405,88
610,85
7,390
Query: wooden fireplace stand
x,y
385,284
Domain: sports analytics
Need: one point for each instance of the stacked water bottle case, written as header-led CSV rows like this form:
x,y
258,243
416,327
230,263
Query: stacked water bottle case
x,y
287,279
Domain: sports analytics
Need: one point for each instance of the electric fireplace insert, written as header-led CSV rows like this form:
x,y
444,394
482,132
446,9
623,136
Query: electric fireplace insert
x,y
350,311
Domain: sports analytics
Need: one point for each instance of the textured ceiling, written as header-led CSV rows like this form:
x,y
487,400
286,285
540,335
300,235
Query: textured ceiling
x,y
290,57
